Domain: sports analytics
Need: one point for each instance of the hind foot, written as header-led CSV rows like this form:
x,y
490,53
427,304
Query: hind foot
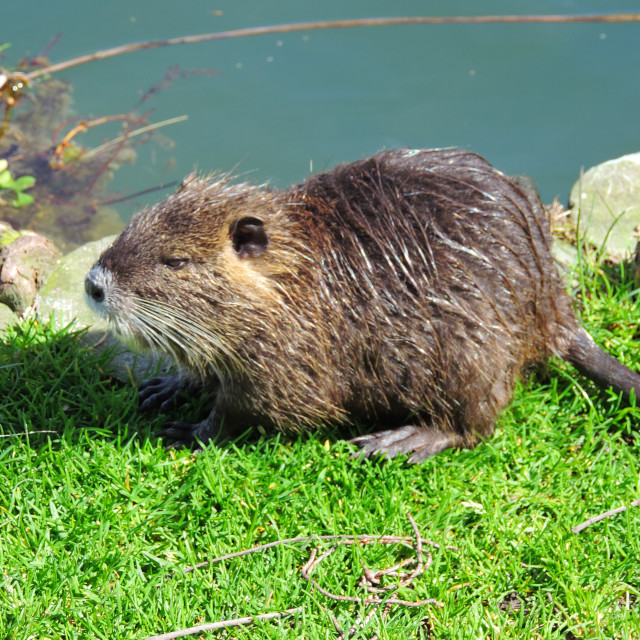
x,y
421,442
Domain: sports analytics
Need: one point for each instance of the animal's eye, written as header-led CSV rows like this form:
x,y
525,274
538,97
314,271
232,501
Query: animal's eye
x,y
175,263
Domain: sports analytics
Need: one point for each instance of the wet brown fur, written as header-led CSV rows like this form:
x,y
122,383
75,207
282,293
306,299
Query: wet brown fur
x,y
409,288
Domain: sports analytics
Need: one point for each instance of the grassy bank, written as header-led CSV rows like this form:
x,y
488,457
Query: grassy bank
x,y
98,521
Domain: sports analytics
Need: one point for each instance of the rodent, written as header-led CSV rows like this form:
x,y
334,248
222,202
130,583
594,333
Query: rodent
x,y
405,292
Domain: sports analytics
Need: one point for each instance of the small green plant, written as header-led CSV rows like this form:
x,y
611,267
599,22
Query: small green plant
x,y
16,187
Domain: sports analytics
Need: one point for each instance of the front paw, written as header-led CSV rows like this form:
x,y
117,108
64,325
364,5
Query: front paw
x,y
160,393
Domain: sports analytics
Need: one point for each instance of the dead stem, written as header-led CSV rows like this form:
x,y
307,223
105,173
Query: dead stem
x,y
368,580
331,24
224,624
602,516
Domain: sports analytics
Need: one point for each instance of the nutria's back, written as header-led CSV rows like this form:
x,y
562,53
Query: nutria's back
x,y
408,290
445,285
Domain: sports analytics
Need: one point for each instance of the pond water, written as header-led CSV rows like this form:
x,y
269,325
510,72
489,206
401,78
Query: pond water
x,y
540,100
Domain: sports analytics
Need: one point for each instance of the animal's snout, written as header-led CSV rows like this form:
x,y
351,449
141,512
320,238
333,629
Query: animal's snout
x,y
93,289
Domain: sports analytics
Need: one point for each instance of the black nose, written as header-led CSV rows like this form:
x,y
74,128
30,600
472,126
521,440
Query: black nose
x,y
94,291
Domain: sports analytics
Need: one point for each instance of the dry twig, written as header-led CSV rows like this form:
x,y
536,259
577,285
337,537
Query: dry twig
x,y
330,24
26,433
313,562
224,624
364,538
602,516
369,580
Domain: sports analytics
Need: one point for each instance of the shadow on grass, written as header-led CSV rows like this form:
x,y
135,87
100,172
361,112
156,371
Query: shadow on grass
x,y
55,387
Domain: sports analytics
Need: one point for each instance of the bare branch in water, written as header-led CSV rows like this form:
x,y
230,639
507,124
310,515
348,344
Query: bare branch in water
x,y
332,24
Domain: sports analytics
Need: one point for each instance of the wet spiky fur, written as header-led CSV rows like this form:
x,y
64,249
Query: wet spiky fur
x,y
412,287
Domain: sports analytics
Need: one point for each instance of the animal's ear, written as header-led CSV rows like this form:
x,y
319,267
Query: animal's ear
x,y
248,237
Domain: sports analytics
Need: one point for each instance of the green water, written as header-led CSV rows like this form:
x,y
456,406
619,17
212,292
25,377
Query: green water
x,y
540,100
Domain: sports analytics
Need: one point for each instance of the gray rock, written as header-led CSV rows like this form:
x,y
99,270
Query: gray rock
x,y
62,295
7,317
564,253
62,299
7,233
605,204
26,259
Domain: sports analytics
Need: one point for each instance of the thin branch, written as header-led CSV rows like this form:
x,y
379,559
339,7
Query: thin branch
x,y
331,24
26,433
336,624
131,196
373,599
81,123
137,132
52,43
419,554
224,624
602,516
360,623
276,543
314,560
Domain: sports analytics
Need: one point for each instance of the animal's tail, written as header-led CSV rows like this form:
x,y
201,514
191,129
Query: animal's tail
x,y
588,358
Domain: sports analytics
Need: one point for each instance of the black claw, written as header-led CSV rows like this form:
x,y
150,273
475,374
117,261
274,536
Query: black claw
x,y
190,435
174,431
167,405
183,434
160,393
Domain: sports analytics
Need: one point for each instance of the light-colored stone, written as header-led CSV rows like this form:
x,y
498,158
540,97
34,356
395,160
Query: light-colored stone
x,y
7,317
7,233
62,295
564,253
26,259
62,298
605,205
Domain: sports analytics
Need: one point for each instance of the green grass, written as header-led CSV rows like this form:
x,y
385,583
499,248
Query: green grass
x,y
97,519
